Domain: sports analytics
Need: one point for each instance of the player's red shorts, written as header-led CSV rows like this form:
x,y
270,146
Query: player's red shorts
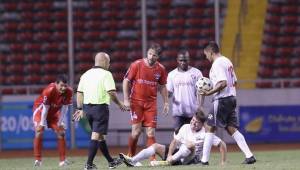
x,y
52,119
144,112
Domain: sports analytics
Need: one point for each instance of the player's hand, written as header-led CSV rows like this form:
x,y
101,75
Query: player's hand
x,y
39,128
123,107
169,159
127,103
166,109
204,92
77,115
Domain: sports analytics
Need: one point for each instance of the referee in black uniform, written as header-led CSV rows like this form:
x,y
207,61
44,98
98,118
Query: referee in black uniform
x,y
95,90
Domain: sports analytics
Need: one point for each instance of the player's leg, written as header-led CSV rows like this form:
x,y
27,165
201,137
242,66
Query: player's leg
x,y
144,154
241,142
185,150
38,138
136,113
210,131
61,142
151,150
136,130
150,121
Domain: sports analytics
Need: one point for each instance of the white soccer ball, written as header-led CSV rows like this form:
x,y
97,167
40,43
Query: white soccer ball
x,y
204,83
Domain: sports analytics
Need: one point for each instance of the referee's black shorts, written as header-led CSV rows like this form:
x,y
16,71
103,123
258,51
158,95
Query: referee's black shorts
x,y
98,117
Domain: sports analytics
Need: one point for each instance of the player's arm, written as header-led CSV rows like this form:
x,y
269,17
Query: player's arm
x,y
63,113
172,148
44,113
114,98
200,99
126,86
47,93
218,87
79,111
164,94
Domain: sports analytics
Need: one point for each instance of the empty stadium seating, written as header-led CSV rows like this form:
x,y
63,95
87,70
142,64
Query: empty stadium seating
x,y
279,59
35,38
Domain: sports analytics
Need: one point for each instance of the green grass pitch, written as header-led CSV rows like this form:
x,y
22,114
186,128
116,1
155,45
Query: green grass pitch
x,y
267,160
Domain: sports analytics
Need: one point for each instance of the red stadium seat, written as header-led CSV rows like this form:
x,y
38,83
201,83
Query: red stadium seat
x,y
175,33
172,43
264,84
158,33
14,69
33,68
46,79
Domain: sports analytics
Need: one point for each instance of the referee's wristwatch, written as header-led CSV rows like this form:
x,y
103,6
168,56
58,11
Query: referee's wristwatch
x,y
80,108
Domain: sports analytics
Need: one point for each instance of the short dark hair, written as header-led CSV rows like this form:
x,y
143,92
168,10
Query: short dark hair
x,y
212,46
61,78
183,52
156,47
200,116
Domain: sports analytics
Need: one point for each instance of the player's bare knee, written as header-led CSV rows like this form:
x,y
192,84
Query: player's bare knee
x,y
211,129
231,130
97,136
39,134
190,145
150,132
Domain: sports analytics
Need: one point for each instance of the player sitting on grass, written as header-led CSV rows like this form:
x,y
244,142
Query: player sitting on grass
x,y
185,148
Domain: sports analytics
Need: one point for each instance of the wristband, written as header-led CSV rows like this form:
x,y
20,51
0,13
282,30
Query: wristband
x,y
79,108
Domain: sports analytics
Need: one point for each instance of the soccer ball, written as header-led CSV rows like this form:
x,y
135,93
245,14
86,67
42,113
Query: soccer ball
x,y
204,83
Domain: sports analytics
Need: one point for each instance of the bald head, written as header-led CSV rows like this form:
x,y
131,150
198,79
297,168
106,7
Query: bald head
x,y
102,59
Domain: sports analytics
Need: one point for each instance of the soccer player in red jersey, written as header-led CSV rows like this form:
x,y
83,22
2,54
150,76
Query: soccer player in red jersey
x,y
141,82
49,110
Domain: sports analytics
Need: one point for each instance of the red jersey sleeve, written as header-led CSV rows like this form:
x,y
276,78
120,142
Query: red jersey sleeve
x,y
47,94
163,78
132,71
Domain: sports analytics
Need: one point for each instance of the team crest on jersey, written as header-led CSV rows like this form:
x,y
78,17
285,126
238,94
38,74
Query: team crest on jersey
x,y
157,76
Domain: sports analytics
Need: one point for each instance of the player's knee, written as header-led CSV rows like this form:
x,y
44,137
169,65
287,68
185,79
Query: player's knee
x,y
39,134
190,145
231,130
136,133
150,132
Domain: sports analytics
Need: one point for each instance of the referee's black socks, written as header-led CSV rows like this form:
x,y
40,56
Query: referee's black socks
x,y
92,151
104,149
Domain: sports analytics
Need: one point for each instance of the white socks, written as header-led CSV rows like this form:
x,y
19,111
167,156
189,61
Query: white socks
x,y
241,142
181,153
144,154
208,141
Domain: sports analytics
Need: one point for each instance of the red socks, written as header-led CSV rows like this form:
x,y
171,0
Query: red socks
x,y
37,148
61,145
132,146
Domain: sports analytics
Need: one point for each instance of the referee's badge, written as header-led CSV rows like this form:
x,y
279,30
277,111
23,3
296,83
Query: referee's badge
x,y
210,116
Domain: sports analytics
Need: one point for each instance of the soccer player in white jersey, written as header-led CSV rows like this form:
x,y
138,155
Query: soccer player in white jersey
x,y
222,113
181,87
189,142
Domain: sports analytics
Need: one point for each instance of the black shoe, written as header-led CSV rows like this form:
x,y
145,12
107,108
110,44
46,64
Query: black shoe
x,y
90,167
204,163
116,162
250,160
126,159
